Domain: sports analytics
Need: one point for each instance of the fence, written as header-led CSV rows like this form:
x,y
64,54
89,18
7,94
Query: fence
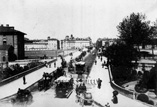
x,y
15,77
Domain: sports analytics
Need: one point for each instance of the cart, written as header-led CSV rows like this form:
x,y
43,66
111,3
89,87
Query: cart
x,y
64,87
85,99
80,69
23,96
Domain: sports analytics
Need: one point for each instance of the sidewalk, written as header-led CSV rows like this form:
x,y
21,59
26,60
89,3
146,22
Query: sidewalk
x,y
104,95
12,87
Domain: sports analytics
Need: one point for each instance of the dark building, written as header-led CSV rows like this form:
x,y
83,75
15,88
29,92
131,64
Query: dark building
x,y
10,36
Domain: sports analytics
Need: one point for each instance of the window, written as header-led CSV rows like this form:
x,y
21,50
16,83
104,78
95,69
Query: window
x,y
4,59
4,40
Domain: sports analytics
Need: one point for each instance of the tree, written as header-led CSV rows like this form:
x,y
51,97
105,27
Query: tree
x,y
134,30
121,54
98,43
11,55
154,36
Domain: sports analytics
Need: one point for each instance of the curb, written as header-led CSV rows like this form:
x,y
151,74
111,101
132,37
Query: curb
x,y
124,91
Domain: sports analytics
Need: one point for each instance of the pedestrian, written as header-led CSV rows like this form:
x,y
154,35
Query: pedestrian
x,y
115,99
64,73
98,56
103,65
24,80
88,69
104,62
101,58
55,64
46,64
107,105
99,83
49,65
95,62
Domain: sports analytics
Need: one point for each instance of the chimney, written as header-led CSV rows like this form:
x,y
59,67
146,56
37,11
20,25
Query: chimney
x,y
7,25
48,38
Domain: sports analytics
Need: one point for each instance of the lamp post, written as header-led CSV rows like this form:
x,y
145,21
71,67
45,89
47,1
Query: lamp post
x,y
56,52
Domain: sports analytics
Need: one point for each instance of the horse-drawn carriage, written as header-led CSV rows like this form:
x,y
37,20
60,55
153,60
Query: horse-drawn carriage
x,y
64,63
80,68
85,99
64,87
71,66
80,88
22,96
49,78
45,82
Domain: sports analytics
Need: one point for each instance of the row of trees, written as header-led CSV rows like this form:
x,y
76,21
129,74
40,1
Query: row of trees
x,y
134,31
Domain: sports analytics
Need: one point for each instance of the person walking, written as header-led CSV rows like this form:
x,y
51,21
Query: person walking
x,y
103,65
24,80
55,64
101,58
46,64
115,99
95,62
99,83
49,65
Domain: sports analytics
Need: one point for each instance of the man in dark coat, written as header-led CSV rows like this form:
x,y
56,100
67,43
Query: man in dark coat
x,y
99,83
24,80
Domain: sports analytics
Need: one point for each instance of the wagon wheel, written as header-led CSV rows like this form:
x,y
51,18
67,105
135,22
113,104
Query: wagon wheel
x,y
13,100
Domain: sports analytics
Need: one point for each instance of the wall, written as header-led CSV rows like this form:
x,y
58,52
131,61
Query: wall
x,y
20,48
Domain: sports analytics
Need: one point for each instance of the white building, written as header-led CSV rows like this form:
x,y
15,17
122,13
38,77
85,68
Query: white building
x,y
67,44
82,43
52,44
75,43
35,46
49,44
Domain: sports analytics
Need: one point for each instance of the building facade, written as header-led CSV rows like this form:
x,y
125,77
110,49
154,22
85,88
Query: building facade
x,y
47,44
14,38
75,43
43,47
4,53
108,41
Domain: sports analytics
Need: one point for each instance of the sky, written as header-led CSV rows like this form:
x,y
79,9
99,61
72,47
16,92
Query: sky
x,y
81,18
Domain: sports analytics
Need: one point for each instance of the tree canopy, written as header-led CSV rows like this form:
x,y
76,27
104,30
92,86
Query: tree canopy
x,y
134,30
121,55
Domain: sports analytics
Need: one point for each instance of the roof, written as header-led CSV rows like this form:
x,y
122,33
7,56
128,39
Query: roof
x,y
4,47
9,30
77,39
52,39
63,79
80,63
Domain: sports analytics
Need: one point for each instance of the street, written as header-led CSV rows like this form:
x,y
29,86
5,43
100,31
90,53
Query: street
x,y
101,96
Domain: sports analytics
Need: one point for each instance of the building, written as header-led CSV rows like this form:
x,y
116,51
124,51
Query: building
x,y
31,45
53,44
4,53
11,37
41,47
75,43
42,44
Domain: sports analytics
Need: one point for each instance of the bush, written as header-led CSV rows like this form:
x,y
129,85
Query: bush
x,y
16,69
151,102
121,73
143,98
